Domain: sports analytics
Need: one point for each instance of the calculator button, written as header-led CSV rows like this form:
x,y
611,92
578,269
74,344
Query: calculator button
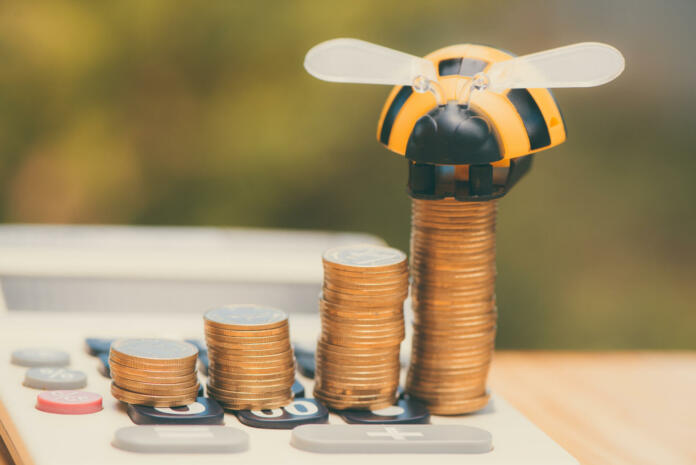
x,y
69,402
404,412
305,363
54,378
96,345
297,389
40,358
361,439
104,367
172,439
301,411
204,411
401,393
203,363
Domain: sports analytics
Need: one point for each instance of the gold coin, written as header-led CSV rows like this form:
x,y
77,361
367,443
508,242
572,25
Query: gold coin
x,y
225,352
453,297
151,350
245,317
145,378
252,366
373,257
156,389
130,371
232,396
348,398
460,407
150,400
352,286
251,335
183,367
274,351
362,313
255,405
251,391
361,309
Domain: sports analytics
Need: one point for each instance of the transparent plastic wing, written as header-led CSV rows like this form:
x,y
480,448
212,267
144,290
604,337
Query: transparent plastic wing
x,y
585,64
360,62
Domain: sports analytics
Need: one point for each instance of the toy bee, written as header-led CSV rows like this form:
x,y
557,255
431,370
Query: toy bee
x,y
467,117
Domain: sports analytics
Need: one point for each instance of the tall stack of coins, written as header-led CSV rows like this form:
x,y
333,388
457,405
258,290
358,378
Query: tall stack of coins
x,y
154,372
251,359
453,292
362,326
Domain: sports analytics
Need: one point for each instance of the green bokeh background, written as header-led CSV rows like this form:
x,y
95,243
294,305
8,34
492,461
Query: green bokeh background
x,y
200,113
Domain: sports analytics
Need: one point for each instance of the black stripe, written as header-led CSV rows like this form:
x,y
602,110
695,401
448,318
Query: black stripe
x,y
449,67
460,66
394,109
533,119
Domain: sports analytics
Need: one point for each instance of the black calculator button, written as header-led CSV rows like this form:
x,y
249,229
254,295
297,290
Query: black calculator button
x,y
297,389
204,411
96,345
305,363
299,412
406,411
104,367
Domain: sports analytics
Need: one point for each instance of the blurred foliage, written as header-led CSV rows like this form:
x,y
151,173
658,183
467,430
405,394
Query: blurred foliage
x,y
158,112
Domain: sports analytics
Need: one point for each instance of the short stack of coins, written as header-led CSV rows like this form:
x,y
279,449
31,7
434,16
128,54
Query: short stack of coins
x,y
154,372
453,293
251,359
362,326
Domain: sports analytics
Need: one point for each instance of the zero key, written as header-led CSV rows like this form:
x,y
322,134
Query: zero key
x,y
204,411
299,412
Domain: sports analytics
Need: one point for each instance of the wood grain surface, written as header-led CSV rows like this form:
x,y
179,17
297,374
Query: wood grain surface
x,y
605,408
613,408
4,455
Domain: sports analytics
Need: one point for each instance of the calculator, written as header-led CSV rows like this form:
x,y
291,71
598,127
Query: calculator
x,y
64,290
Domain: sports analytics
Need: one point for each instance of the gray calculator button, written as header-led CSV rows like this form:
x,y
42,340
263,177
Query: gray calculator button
x,y
40,358
361,439
54,378
192,439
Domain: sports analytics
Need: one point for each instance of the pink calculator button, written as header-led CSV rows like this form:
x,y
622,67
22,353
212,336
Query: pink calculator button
x,y
69,402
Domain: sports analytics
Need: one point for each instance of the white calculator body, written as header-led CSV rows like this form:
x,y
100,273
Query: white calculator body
x,y
60,285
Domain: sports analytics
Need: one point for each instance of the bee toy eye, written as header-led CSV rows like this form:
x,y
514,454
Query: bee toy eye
x,y
425,129
471,133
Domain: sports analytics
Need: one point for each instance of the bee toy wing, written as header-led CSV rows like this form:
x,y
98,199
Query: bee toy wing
x,y
360,62
585,64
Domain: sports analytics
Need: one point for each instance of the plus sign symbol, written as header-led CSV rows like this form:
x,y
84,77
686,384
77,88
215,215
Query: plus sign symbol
x,y
394,433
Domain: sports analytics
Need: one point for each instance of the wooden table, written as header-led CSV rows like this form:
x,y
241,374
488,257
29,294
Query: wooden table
x,y
610,408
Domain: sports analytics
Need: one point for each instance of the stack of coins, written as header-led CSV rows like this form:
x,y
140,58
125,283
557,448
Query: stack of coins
x,y
154,372
251,359
453,293
362,326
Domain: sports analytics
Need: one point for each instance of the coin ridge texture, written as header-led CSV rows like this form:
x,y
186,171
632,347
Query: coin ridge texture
x,y
453,296
252,363
154,372
362,326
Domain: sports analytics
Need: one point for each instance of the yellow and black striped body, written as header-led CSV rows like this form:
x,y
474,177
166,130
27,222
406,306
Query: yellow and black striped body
x,y
490,140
